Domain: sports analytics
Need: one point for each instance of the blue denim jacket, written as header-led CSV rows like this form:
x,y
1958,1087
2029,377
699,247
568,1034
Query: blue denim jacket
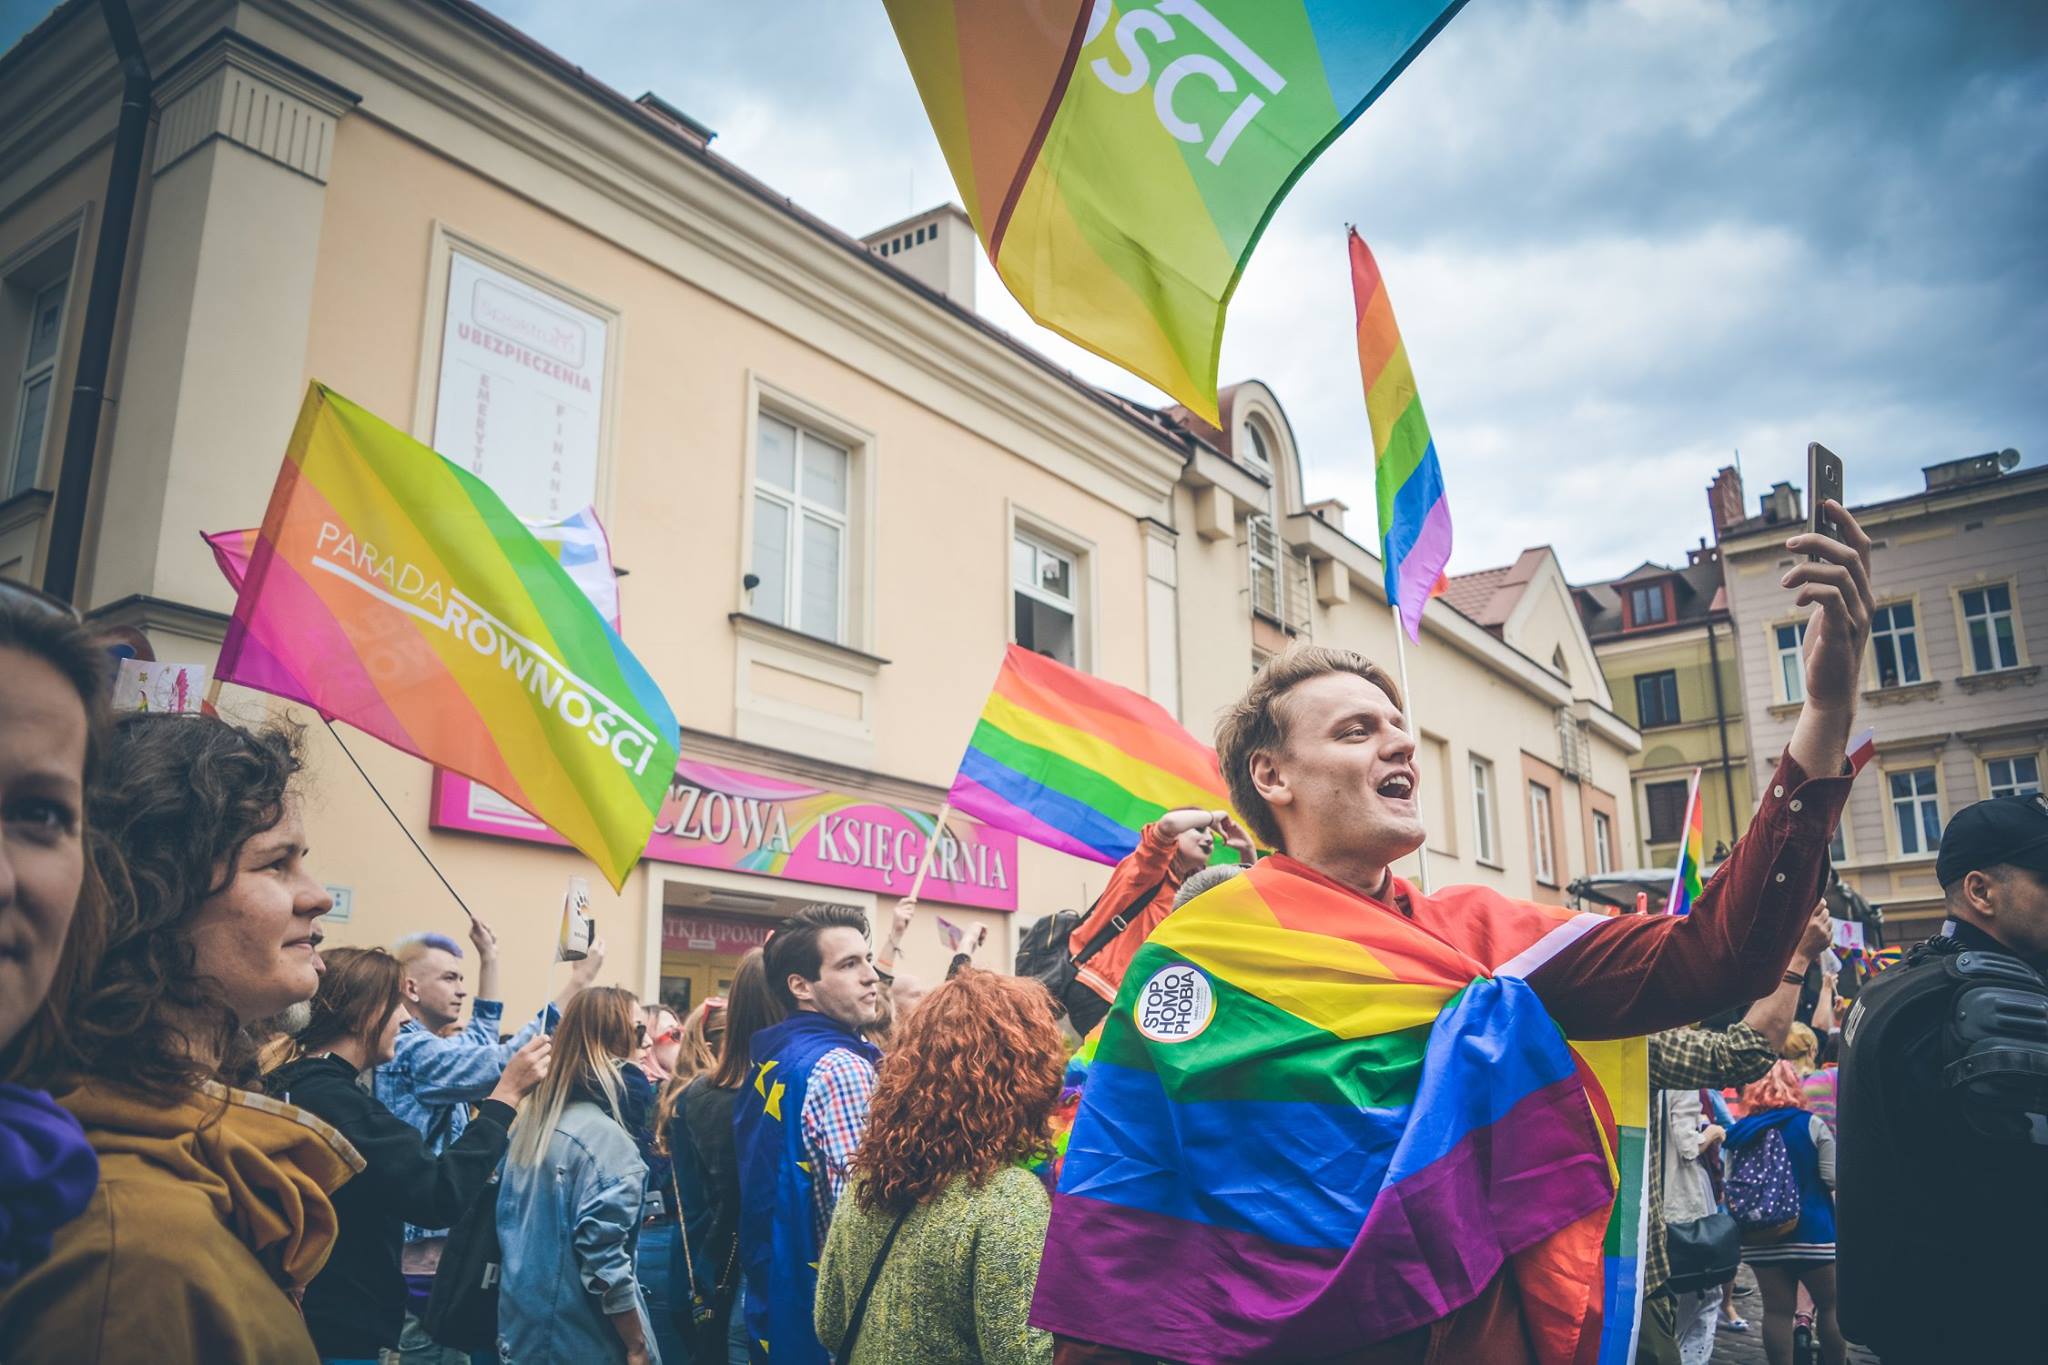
x,y
430,1077
569,1228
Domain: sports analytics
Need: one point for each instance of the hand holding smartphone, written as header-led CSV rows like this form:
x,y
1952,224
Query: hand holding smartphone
x,y
1823,482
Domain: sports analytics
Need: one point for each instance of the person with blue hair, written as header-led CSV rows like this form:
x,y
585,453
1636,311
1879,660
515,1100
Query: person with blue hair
x,y
439,1070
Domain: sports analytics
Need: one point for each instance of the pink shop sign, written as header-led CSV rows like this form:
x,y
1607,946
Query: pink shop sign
x,y
684,931
769,826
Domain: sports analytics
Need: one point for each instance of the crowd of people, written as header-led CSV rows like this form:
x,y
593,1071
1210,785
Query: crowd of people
x,y
223,1144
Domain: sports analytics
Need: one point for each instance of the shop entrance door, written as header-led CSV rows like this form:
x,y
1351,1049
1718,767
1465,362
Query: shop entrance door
x,y
688,977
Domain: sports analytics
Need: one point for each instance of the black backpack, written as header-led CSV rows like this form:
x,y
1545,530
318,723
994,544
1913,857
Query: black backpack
x,y
462,1311
1042,955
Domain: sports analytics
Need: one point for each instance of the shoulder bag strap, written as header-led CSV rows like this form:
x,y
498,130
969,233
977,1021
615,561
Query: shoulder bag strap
x,y
683,1233
844,1354
1117,924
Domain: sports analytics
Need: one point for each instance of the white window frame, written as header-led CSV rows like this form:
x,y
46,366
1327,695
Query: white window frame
x,y
1917,799
801,508
1603,842
857,545
1892,633
1262,530
2011,614
1789,686
1032,590
1542,835
1485,815
49,261
1027,525
1992,788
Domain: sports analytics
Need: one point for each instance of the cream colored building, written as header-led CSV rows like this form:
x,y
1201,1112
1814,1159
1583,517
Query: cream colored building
x,y
834,491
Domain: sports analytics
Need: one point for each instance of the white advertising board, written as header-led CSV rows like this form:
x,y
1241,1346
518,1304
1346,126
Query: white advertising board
x,y
522,390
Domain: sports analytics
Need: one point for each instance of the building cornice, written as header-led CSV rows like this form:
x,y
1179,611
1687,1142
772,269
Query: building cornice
x,y
432,73
2028,485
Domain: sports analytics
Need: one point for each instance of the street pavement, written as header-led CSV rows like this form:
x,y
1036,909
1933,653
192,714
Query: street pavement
x,y
1747,1348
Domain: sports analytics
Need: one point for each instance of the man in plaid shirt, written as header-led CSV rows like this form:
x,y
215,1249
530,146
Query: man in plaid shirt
x,y
1695,1059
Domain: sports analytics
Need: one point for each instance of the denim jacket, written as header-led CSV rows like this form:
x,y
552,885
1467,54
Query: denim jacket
x,y
569,1228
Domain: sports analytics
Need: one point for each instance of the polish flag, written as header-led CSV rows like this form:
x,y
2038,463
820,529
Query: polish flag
x,y
1862,749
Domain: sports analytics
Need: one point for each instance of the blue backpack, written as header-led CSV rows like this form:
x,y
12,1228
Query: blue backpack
x,y
1762,1191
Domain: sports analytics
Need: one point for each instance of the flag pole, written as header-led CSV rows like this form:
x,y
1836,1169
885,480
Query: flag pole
x,y
924,864
1408,719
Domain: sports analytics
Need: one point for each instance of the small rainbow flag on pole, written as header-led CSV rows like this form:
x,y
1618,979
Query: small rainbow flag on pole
x,y
1079,764
1692,854
390,588
1119,160
1415,517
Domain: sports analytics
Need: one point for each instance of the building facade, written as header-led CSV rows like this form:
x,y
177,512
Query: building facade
x,y
833,492
1950,687
1667,648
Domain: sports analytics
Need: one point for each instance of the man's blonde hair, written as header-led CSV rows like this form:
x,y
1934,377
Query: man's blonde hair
x,y
1254,725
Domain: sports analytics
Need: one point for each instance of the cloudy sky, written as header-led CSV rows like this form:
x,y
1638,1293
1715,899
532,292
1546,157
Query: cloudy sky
x,y
1624,240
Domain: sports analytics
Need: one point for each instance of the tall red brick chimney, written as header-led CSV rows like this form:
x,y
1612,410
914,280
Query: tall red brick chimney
x,y
1724,499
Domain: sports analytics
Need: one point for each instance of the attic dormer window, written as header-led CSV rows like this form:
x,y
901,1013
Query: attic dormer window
x,y
1647,606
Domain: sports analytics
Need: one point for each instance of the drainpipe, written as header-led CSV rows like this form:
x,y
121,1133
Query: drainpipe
x,y
96,345
1721,723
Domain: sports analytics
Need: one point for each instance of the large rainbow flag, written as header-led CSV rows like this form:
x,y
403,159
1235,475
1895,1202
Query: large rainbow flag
x,y
1311,1123
1079,764
390,588
1415,516
1686,884
1119,158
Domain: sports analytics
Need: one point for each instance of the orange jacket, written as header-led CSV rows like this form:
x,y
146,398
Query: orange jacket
x,y
1149,865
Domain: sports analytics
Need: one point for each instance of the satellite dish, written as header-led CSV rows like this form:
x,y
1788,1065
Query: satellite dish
x,y
2008,458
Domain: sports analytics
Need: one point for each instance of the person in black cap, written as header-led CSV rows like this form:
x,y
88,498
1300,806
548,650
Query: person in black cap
x,y
1942,1163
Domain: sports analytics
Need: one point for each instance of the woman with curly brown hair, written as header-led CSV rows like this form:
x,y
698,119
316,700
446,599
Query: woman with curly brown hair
x,y
213,1201
933,1254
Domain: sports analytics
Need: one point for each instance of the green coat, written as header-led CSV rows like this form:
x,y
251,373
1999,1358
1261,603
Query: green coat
x,y
958,1284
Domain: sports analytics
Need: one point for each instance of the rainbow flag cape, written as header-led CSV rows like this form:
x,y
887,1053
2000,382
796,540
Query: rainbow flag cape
x,y
1079,764
1415,516
1312,1123
1120,159
1692,854
390,588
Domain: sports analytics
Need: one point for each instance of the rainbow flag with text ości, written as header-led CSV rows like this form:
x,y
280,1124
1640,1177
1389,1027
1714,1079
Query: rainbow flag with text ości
x,y
390,588
1079,764
1120,159
1311,1124
1415,516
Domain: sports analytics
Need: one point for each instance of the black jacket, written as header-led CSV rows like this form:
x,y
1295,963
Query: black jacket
x,y
707,1169
355,1306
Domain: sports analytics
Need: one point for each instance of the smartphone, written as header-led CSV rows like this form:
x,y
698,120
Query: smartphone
x,y
1823,481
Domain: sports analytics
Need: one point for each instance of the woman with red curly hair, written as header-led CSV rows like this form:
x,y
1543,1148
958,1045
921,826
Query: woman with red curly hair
x,y
1805,1256
933,1253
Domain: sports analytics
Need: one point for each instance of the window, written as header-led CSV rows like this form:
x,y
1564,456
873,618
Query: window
x,y
1540,838
36,392
1646,605
1657,698
1043,582
1894,641
1838,844
1265,555
1987,620
2016,776
1666,801
1791,666
801,501
1603,843
1916,811
1482,810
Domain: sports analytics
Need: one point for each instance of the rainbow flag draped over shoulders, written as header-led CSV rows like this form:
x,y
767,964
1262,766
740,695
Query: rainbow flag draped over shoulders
x,y
1119,158
1310,1124
1079,764
1692,854
390,588
1415,516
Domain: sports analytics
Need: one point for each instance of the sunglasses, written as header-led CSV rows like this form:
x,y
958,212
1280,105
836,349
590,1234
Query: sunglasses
x,y
49,603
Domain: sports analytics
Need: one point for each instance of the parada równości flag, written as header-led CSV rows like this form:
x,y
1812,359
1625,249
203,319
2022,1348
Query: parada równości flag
x,y
1079,764
390,588
1415,516
1119,160
1309,1124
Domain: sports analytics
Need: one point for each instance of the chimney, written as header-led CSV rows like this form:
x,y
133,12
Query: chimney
x,y
1724,499
675,120
937,248
1781,504
1970,469
1330,511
